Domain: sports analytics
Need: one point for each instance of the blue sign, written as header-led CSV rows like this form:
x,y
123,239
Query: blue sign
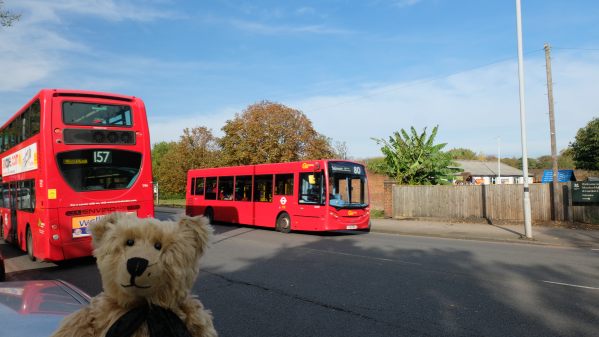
x,y
563,176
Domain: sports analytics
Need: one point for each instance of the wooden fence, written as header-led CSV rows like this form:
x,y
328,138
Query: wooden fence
x,y
492,202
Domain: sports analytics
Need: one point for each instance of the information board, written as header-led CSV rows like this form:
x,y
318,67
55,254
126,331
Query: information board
x,y
585,191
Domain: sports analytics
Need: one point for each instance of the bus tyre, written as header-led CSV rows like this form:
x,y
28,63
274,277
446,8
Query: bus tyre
x,y
283,223
209,213
29,243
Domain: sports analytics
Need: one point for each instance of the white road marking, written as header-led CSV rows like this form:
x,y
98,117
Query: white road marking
x,y
571,285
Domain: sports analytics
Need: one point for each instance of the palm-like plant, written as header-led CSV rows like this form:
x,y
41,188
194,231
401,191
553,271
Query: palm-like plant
x,y
415,159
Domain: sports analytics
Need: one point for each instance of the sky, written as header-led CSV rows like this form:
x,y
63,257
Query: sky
x,y
358,69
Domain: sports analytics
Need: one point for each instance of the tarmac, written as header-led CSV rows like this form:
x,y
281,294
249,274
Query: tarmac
x,y
558,235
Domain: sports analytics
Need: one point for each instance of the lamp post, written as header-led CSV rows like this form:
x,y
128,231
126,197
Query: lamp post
x,y
527,216
498,161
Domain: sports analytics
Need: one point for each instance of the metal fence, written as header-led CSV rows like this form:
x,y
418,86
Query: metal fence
x,y
492,202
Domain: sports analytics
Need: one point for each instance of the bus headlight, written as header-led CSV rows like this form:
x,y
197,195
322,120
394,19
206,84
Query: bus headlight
x,y
55,237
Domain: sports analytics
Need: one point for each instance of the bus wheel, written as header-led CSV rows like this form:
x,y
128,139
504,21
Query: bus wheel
x,y
283,223
209,213
29,243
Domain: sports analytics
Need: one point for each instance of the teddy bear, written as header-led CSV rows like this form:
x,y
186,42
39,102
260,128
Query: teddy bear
x,y
148,268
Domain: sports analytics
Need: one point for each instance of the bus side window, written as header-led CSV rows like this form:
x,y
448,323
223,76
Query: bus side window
x,y
243,188
6,135
225,188
210,188
284,184
199,186
24,129
311,189
192,186
263,188
34,118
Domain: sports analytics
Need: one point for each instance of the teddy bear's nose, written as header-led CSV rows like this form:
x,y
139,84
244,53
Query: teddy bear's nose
x,y
136,266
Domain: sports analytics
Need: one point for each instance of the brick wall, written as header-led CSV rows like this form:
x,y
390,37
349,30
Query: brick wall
x,y
380,192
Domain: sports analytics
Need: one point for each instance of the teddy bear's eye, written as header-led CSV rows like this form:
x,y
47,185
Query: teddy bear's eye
x,y
130,242
158,245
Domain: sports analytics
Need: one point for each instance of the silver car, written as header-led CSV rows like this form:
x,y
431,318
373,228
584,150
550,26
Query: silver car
x,y
36,308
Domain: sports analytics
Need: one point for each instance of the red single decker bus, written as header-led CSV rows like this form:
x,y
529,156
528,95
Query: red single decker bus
x,y
313,195
68,158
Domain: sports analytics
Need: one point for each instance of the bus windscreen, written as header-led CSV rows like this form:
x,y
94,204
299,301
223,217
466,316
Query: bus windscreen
x,y
348,186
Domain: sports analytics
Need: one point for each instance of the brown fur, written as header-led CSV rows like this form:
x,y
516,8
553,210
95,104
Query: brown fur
x,y
170,275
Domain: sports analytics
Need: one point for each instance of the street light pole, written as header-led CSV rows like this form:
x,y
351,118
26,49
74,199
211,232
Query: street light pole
x,y
527,211
498,161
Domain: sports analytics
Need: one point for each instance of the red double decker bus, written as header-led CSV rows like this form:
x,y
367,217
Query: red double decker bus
x,y
315,195
68,158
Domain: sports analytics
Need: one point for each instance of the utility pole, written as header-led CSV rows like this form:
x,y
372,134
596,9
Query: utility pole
x,y
554,183
526,196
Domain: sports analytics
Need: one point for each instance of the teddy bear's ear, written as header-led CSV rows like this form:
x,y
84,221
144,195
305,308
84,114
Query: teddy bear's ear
x,y
100,227
197,227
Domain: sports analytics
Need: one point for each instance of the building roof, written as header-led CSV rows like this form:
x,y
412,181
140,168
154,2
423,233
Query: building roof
x,y
487,168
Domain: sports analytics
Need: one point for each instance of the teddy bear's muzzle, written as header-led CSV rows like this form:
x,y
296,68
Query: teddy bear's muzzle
x,y
136,267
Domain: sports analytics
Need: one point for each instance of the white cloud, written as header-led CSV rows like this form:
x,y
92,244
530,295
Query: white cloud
x,y
33,49
51,11
472,108
262,28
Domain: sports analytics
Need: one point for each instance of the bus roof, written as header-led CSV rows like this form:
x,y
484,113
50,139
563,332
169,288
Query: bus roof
x,y
86,93
246,168
69,93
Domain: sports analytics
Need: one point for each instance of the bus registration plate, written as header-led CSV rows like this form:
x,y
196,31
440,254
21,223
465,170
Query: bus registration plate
x,y
351,227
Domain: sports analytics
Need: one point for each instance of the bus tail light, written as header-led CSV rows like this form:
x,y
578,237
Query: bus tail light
x,y
54,227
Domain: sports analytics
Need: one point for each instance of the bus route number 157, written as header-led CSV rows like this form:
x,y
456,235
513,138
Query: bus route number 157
x,y
102,157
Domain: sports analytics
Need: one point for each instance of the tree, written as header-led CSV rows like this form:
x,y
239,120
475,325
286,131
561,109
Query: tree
x,y
376,165
196,148
414,159
6,17
566,159
268,132
159,150
585,148
340,149
462,153
513,162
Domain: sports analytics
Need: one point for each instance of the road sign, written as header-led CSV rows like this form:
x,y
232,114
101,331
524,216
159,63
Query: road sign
x,y
585,191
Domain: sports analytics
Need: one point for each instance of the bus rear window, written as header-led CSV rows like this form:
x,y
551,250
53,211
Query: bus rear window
x,y
77,113
99,169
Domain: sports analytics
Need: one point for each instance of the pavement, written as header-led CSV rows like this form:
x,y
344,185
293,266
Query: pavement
x,y
541,235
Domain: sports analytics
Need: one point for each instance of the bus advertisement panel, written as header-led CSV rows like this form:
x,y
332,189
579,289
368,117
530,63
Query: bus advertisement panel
x,y
68,158
315,195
